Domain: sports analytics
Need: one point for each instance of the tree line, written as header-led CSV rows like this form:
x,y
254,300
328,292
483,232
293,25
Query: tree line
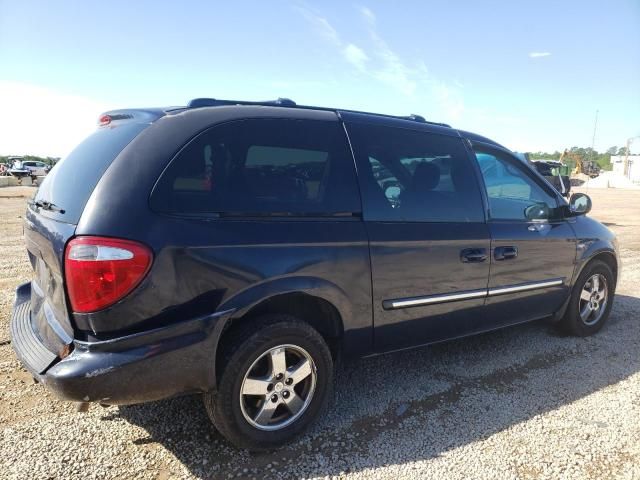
x,y
602,159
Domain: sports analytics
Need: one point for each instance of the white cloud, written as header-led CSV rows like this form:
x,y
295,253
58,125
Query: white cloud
x,y
321,24
368,15
450,99
355,56
539,54
41,121
410,80
380,62
393,71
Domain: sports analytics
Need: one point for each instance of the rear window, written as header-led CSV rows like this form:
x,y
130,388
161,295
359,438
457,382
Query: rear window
x,y
262,167
71,182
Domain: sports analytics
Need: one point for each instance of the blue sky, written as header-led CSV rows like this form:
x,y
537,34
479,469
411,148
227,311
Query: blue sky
x,y
531,75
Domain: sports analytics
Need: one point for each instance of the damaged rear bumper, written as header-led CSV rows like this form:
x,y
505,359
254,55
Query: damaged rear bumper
x,y
135,368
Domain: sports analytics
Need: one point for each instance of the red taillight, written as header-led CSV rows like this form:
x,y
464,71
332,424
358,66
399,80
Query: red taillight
x,y
104,120
100,271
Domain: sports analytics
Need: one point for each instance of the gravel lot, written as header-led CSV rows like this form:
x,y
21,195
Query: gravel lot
x,y
520,403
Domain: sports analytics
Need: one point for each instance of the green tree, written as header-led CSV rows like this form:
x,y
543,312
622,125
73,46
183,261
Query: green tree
x,y
588,153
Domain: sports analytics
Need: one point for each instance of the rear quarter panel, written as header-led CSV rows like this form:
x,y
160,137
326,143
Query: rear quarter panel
x,y
206,266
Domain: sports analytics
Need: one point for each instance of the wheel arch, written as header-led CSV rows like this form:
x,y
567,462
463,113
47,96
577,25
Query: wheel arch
x,y
318,312
610,259
605,255
317,302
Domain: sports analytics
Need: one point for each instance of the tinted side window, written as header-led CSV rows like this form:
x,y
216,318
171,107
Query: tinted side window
x,y
408,175
510,189
262,166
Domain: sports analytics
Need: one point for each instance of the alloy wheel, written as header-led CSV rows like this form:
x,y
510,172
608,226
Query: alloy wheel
x,y
278,387
593,299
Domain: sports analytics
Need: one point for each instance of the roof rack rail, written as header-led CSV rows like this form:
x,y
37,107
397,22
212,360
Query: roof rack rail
x,y
287,102
214,102
415,118
421,119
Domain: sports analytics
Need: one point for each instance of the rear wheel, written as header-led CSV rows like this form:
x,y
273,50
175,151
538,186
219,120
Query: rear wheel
x,y
277,379
591,300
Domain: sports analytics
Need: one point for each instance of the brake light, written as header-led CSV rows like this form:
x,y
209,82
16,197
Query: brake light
x,y
104,120
100,271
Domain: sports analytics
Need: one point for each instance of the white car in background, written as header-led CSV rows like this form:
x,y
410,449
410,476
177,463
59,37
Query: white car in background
x,y
37,168
18,167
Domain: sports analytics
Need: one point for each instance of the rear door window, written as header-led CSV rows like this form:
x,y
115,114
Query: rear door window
x,y
262,167
414,176
70,184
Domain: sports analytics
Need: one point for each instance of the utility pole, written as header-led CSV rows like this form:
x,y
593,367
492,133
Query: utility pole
x,y
626,166
593,140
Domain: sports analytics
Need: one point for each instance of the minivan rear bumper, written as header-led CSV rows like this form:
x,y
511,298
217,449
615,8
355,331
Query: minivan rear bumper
x,y
135,368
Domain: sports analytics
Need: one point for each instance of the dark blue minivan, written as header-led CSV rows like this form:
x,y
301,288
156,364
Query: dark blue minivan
x,y
238,249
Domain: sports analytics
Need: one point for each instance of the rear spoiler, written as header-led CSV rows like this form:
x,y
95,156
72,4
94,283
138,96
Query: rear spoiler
x,y
137,115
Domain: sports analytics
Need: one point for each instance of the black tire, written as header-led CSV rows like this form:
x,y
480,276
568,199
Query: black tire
x,y
242,348
572,323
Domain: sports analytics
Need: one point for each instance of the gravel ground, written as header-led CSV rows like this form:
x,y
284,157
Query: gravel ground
x,y
519,403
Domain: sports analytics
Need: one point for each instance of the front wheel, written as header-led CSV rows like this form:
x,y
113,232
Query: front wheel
x,y
277,379
591,300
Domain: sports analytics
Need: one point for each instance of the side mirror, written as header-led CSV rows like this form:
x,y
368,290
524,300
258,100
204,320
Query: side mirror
x,y
579,204
537,211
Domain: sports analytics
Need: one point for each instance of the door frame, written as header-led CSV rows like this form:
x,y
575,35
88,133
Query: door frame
x,y
393,305
560,218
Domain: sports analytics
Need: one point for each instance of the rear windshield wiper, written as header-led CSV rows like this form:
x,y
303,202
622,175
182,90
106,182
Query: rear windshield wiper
x,y
43,204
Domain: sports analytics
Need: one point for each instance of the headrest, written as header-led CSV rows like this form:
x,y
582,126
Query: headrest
x,y
462,178
426,176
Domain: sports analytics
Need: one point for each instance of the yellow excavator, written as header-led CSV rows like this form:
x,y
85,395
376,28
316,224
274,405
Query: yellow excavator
x,y
588,167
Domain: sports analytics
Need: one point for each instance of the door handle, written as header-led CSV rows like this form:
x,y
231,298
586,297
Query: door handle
x,y
537,227
505,253
473,255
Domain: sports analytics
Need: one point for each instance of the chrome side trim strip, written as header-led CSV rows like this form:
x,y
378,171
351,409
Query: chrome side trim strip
x,y
451,297
525,286
431,299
